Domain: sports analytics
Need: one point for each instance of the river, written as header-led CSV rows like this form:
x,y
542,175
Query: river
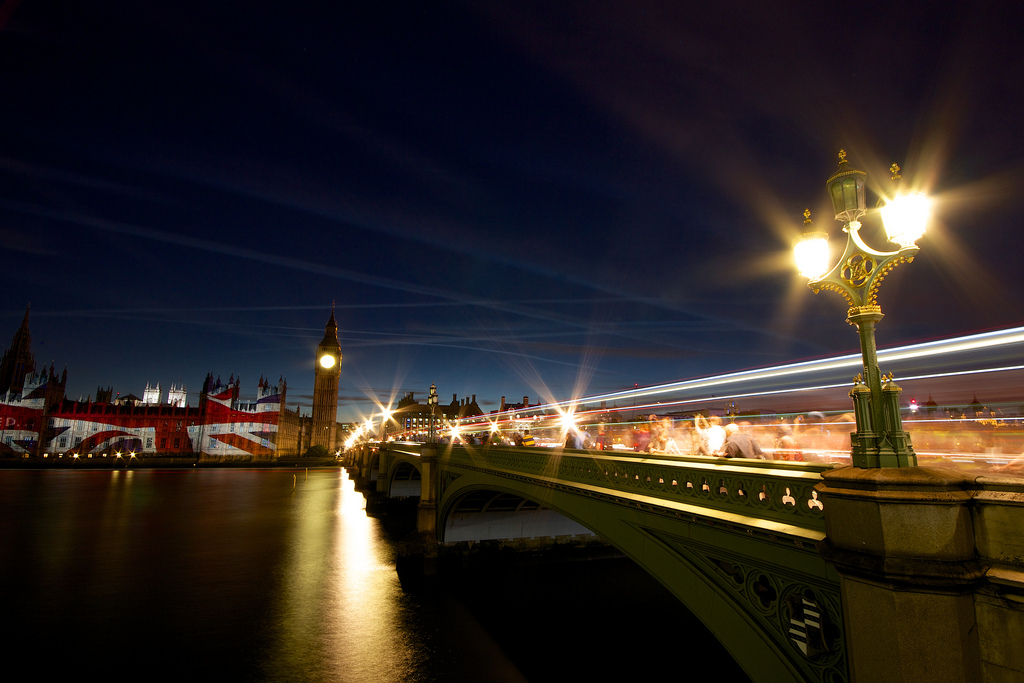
x,y
273,575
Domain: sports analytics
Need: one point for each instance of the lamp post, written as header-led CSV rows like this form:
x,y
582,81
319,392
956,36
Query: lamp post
x,y
385,418
880,440
432,402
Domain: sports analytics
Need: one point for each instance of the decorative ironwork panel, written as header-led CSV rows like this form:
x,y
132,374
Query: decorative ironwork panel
x,y
763,490
802,615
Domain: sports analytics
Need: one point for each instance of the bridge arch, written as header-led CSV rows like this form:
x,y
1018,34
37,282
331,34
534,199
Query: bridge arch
x,y
717,569
482,513
404,480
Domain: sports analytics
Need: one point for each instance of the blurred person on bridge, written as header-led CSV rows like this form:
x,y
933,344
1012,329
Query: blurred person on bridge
x,y
710,435
788,449
641,438
659,435
739,444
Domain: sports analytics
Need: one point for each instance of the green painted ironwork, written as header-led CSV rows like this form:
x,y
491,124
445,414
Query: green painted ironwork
x,y
880,440
734,540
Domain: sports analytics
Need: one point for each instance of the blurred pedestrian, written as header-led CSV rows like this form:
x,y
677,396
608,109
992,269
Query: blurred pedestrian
x,y
740,445
711,435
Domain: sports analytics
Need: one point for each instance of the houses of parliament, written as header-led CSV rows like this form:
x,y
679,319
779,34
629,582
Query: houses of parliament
x,y
38,420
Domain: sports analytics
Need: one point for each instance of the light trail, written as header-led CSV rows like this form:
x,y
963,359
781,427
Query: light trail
x,y
958,345
985,340
989,441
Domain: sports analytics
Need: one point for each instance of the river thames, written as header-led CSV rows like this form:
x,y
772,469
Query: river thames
x,y
278,574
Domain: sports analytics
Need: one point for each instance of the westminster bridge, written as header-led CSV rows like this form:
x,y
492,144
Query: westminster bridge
x,y
803,571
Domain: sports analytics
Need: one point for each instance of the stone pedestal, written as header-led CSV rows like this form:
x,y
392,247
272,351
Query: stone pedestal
x,y
417,560
426,516
902,541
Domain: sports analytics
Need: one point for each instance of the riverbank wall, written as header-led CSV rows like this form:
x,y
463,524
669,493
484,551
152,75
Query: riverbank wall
x,y
158,462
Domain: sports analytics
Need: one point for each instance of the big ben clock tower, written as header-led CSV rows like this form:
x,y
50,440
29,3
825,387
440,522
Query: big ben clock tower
x,y
325,387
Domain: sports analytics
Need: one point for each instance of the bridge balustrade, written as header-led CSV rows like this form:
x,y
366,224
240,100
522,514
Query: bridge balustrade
x,y
778,497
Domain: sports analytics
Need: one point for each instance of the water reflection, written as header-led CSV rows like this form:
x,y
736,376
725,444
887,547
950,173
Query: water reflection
x,y
335,617
242,575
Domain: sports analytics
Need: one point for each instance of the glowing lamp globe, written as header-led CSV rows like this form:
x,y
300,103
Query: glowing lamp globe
x,y
846,190
906,218
811,255
327,361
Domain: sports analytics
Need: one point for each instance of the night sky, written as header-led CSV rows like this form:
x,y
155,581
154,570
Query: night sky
x,y
505,199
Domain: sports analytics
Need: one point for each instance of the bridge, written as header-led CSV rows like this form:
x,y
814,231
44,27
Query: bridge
x,y
803,571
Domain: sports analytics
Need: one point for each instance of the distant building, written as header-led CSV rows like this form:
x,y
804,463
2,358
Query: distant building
x,y
126,399
17,361
411,419
151,395
504,407
36,418
177,396
325,388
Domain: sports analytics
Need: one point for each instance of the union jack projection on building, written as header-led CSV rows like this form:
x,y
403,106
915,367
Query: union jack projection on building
x,y
36,419
40,421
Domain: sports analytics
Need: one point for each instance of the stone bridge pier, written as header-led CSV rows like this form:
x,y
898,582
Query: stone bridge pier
x,y
931,566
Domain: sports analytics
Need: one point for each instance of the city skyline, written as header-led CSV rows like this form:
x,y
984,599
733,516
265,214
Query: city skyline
x,y
954,370
540,199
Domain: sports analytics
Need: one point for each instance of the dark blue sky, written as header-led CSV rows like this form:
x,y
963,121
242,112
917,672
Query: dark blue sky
x,y
502,198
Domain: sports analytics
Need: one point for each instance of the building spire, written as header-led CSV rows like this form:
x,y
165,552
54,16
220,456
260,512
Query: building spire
x,y
331,329
17,361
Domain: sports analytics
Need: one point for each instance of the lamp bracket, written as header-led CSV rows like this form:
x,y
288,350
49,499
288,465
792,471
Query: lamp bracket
x,y
860,270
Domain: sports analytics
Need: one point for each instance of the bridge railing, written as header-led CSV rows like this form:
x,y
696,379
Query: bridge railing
x,y
777,497
410,448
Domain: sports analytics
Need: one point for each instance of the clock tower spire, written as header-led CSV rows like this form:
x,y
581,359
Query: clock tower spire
x,y
325,387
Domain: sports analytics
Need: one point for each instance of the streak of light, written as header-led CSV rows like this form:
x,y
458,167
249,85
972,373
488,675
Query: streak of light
x,y
912,351
561,410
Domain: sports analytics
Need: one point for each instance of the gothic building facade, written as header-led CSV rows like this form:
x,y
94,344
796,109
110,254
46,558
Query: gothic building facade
x,y
37,420
17,360
325,387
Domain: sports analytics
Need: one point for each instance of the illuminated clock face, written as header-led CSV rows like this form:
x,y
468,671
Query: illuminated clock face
x,y
327,360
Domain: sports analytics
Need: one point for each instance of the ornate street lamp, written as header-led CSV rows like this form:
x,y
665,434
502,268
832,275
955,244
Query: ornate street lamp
x,y
432,402
385,419
880,440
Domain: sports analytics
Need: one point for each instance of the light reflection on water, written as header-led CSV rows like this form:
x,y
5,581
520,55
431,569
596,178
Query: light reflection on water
x,y
335,618
227,573
234,575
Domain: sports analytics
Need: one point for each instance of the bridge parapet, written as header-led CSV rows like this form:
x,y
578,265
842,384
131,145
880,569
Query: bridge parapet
x,y
999,525
931,566
774,497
